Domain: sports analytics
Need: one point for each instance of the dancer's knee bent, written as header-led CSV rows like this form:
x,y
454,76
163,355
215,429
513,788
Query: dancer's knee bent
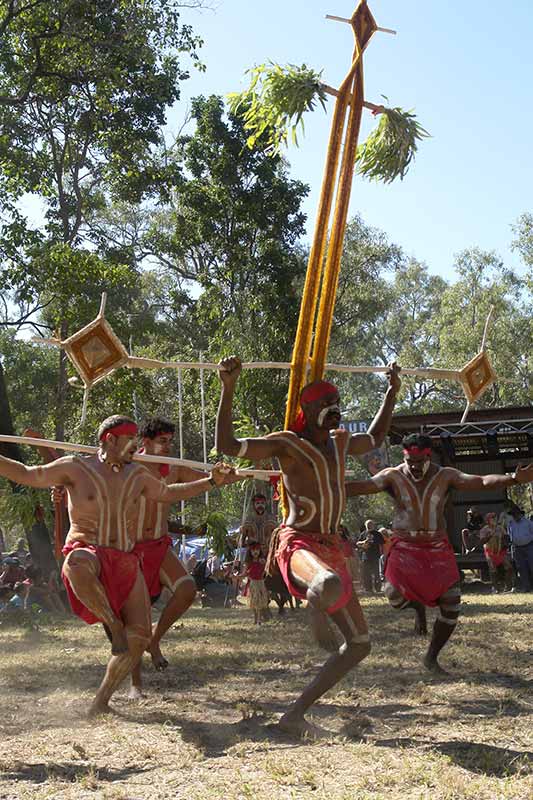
x,y
450,606
138,639
80,566
183,586
324,590
394,596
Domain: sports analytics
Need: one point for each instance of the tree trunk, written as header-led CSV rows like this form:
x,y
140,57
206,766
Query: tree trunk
x,y
62,386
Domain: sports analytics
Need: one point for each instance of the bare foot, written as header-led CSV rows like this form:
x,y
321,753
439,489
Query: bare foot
x,y
98,707
119,640
434,667
158,660
323,631
136,693
302,729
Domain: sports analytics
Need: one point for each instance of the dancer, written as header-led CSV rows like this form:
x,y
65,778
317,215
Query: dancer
x,y
255,589
496,548
160,564
421,569
101,574
308,546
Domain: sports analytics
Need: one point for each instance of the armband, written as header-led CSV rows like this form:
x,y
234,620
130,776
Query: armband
x,y
243,448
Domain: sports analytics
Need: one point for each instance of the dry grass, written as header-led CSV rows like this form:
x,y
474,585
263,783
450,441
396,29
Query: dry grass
x,y
207,728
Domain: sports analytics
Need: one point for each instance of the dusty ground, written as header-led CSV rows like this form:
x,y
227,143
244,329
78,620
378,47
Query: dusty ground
x,y
207,729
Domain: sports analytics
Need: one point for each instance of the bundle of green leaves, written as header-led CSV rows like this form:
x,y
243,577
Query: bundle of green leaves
x,y
275,102
390,148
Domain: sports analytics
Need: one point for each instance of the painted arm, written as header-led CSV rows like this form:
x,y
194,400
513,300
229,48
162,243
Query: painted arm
x,y
379,483
225,441
48,454
36,477
461,480
186,474
363,442
221,475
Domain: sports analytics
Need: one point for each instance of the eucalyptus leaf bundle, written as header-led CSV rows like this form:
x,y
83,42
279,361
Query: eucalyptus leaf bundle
x,y
390,148
275,101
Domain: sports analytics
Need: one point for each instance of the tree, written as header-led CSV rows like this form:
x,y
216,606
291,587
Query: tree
x,y
85,88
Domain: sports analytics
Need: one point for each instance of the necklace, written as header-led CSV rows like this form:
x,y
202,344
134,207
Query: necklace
x,y
115,466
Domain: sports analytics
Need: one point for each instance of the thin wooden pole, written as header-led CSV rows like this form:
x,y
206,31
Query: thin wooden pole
x,y
204,425
143,458
180,434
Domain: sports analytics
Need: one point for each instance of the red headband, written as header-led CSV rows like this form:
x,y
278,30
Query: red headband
x,y
415,450
316,391
121,429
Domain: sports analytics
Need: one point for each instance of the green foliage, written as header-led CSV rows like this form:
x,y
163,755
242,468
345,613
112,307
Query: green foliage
x,y
215,525
18,508
275,101
390,148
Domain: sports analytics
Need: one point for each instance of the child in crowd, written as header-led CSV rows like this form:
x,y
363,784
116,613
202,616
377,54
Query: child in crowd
x,y
256,589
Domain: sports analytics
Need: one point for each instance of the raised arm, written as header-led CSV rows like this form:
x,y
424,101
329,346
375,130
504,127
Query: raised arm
x,y
363,442
225,441
48,454
461,480
186,474
379,483
44,477
221,475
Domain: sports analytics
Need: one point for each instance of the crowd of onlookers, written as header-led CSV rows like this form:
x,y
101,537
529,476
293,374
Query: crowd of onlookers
x,y
505,540
23,586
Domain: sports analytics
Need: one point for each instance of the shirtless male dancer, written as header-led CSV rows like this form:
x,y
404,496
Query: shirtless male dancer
x,y
309,550
160,564
421,569
100,572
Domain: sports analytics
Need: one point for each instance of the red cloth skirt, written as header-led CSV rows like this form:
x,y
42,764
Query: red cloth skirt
x,y
495,558
118,573
421,570
329,548
151,553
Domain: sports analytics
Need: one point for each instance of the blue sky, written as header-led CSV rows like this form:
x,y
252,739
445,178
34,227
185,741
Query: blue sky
x,y
465,67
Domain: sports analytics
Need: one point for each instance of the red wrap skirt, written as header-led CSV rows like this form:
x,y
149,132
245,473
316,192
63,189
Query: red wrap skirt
x,y
118,573
421,570
329,548
496,557
151,554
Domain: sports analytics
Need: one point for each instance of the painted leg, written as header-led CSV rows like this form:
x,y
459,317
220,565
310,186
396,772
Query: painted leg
x,y
82,569
449,608
399,602
175,577
323,590
136,618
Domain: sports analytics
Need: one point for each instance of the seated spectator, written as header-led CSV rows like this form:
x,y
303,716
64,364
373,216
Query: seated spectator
x,y
5,596
19,600
41,592
12,572
470,534
22,551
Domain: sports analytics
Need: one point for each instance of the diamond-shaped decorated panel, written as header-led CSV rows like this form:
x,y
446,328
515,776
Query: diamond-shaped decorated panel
x,y
96,352
477,376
